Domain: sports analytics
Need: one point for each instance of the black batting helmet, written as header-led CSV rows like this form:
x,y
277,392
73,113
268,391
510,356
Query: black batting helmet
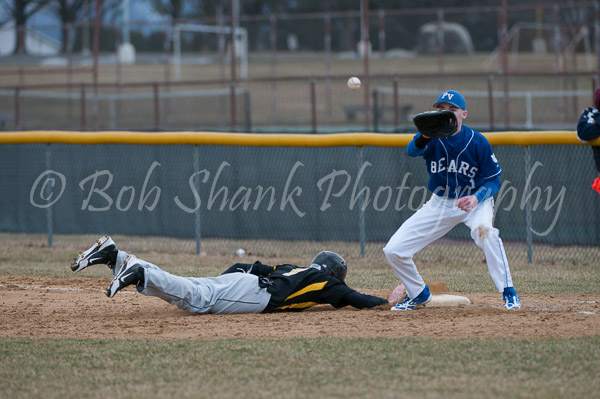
x,y
332,264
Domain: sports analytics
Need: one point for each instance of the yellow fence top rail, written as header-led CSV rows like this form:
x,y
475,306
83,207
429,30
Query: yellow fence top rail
x,y
273,140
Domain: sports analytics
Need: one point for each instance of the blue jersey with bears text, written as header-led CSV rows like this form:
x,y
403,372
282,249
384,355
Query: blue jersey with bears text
x,y
460,164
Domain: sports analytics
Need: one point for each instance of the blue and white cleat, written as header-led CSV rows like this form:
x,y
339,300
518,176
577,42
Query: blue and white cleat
x,y
99,253
131,273
409,304
511,299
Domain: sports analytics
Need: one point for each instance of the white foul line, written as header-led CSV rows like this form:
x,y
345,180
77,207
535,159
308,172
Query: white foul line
x,y
38,287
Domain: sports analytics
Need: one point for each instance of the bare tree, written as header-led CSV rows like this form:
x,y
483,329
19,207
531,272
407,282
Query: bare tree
x,y
20,11
73,12
171,8
69,11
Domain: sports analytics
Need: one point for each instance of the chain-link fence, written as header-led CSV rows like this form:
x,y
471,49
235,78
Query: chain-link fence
x,y
317,105
522,66
282,201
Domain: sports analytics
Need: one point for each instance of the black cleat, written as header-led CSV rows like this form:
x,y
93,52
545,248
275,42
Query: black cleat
x,y
131,273
99,253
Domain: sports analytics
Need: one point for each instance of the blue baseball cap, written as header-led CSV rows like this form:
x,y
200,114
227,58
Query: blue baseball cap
x,y
451,97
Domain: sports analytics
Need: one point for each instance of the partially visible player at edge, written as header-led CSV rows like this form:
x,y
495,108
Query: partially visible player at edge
x,y
464,174
242,288
588,128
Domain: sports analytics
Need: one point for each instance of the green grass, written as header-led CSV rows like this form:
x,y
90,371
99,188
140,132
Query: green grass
x,y
461,266
303,368
298,368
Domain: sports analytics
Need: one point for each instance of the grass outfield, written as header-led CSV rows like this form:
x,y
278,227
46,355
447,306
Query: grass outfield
x,y
461,265
325,367
300,368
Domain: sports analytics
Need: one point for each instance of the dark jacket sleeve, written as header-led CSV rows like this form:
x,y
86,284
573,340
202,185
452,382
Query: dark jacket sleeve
x,y
588,127
361,301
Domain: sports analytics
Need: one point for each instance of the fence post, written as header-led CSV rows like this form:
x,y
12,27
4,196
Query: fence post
x,y
49,224
528,216
490,88
503,32
247,112
381,34
232,104
528,110
440,41
375,111
365,42
233,23
313,105
327,45
156,107
273,47
83,107
396,114
361,210
96,65
18,108
69,49
197,219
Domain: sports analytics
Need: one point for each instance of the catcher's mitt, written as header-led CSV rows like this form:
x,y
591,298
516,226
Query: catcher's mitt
x,y
436,123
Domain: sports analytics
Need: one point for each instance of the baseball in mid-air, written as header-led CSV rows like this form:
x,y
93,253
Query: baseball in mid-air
x,y
354,83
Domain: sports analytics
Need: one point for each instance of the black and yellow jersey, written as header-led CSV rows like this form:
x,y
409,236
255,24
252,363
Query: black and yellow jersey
x,y
296,288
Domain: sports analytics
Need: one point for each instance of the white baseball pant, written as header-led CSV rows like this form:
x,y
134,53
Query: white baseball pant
x,y
436,218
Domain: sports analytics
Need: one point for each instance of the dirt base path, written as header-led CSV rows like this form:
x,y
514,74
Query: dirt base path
x,y
32,306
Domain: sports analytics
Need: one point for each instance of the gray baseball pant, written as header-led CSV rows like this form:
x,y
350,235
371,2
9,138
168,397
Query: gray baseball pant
x,y
227,293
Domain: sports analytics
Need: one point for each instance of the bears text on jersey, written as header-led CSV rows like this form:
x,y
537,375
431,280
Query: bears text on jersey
x,y
442,165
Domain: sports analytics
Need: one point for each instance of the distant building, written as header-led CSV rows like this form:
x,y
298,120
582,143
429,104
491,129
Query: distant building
x,y
36,43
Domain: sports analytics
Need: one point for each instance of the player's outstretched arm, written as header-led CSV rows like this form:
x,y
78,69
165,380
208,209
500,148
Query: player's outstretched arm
x,y
417,146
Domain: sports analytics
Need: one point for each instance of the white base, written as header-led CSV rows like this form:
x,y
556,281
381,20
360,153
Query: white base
x,y
448,300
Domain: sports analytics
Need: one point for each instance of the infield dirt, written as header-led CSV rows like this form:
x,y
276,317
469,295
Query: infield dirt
x,y
34,306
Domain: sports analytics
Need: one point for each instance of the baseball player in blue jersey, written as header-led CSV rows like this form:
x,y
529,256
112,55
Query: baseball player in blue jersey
x,y
242,288
464,174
